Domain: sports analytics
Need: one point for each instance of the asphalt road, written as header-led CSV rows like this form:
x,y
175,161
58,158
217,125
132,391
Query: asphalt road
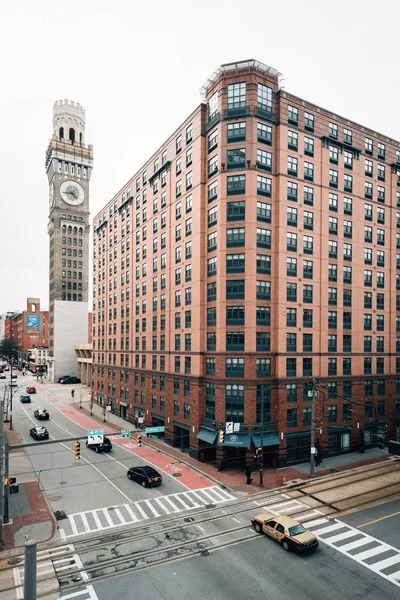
x,y
96,480
256,569
382,522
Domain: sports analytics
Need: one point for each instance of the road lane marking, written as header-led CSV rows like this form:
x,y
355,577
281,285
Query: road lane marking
x,y
131,513
153,510
377,520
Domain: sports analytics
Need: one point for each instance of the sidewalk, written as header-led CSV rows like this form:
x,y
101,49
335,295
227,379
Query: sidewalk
x,y
29,513
234,479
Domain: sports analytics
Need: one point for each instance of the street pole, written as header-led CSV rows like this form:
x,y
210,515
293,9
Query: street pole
x,y
6,488
262,443
30,570
1,476
312,457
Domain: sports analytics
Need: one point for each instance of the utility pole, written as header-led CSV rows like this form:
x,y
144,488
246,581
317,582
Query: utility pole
x,y
262,444
312,457
1,474
30,570
5,478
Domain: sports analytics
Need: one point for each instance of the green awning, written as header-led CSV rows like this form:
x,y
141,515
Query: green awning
x,y
237,440
207,435
269,439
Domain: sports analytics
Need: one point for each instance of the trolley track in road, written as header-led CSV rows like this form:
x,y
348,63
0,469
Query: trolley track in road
x,y
177,526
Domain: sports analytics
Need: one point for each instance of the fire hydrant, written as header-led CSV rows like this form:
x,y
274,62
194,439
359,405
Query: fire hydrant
x,y
283,481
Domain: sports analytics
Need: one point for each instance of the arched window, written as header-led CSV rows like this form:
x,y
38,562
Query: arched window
x,y
80,230
72,135
80,138
75,230
61,132
64,229
69,229
69,296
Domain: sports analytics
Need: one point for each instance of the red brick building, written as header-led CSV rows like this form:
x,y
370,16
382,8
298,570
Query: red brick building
x,y
256,253
29,329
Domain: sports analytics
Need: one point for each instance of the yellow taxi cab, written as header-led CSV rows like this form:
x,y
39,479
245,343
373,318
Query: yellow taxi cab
x,y
286,531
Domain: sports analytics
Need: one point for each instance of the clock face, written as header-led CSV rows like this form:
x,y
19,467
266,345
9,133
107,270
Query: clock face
x,y
51,195
72,192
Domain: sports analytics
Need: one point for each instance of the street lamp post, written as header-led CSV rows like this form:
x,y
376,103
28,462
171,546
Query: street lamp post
x,y
262,444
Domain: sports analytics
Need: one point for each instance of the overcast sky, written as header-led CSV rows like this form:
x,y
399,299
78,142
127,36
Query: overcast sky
x,y
137,67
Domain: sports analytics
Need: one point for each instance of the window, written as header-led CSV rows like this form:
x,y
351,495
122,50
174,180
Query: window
x,y
212,216
235,263
347,251
236,184
235,211
213,139
263,238
333,178
263,290
290,367
381,151
332,296
333,202
369,145
308,269
333,130
291,292
263,367
291,190
263,264
333,154
291,241
235,237
264,159
292,165
264,133
236,132
236,95
307,244
308,121
308,146
308,220
236,159
212,266
308,171
212,191
235,341
212,166
291,343
332,272
213,106
291,267
332,246
263,211
307,318
293,115
211,292
235,289
264,185
368,189
264,97
348,159
291,317
292,140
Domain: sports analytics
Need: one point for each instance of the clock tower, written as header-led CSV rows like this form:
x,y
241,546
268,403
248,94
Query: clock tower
x,y
69,164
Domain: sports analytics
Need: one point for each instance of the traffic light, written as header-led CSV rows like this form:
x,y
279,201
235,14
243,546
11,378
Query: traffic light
x,y
77,453
12,480
221,436
139,440
13,485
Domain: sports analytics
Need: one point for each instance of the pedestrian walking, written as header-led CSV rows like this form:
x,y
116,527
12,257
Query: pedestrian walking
x,y
248,475
73,394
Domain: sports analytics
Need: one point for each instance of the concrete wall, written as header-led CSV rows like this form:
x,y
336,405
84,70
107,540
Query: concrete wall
x,y
70,327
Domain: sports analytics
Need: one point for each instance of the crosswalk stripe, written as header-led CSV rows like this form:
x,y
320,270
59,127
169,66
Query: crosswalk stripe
x,y
96,519
168,499
186,495
342,536
315,523
164,508
73,525
329,529
383,564
85,522
108,517
119,515
153,510
131,513
205,492
371,552
140,509
355,544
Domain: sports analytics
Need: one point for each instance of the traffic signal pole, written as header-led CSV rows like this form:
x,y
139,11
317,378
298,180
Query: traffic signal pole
x,y
5,479
262,444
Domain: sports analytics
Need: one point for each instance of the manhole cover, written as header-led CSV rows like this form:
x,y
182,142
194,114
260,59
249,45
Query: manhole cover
x,y
209,506
14,561
60,515
189,519
176,474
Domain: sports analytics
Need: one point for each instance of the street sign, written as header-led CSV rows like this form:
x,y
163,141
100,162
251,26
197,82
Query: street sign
x,y
125,433
236,427
95,436
159,429
229,427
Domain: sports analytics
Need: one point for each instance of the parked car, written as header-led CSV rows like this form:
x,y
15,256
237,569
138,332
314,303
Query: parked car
x,y
41,414
6,368
3,377
39,433
146,476
25,398
14,376
31,390
71,380
60,379
13,383
104,446
286,531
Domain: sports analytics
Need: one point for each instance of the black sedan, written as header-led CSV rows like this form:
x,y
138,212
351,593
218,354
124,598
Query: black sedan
x,y
39,433
70,380
146,476
41,414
